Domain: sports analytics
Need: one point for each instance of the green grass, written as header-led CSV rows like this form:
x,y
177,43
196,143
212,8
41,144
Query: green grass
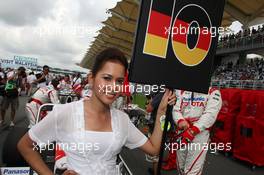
x,y
140,100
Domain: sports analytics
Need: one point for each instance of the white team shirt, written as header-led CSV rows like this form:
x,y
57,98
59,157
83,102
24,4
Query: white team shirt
x,y
48,80
2,75
10,74
76,81
31,78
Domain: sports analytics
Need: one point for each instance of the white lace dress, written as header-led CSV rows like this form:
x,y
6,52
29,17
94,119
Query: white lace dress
x,y
88,152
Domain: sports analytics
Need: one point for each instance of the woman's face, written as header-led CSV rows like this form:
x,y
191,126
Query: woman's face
x,y
107,83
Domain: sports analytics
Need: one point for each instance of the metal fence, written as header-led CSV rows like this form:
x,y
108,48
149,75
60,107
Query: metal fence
x,y
241,84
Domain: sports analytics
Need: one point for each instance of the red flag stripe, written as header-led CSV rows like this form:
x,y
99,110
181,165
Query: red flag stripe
x,y
180,31
158,23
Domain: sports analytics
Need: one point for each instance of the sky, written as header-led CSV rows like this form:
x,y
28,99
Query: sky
x,y
56,32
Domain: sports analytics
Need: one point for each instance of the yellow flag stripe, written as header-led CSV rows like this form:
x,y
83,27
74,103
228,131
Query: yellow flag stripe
x,y
155,45
187,56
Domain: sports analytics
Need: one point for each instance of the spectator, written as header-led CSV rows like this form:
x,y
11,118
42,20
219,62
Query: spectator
x,y
245,36
2,74
44,77
30,83
2,94
65,83
11,94
251,70
22,80
152,107
77,80
86,91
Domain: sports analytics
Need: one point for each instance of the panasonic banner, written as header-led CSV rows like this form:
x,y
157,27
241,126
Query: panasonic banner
x,y
15,170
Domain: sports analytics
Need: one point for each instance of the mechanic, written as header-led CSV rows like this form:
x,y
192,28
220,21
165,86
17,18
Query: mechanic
x,y
42,95
194,113
65,83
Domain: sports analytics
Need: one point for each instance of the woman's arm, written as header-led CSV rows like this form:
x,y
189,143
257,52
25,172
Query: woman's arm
x,y
152,146
30,154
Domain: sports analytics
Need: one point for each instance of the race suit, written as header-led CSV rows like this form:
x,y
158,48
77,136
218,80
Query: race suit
x,y
41,96
65,85
200,111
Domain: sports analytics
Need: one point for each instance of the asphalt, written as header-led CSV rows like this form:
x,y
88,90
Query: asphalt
x,y
216,164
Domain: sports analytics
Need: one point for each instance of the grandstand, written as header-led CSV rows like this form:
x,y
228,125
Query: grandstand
x,y
249,75
119,30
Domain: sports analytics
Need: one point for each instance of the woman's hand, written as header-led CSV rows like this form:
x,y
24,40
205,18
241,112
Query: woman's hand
x,y
169,98
69,172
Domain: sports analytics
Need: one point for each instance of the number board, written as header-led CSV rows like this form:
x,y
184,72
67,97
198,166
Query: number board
x,y
176,43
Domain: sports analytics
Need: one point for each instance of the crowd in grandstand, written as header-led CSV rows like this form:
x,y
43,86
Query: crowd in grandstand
x,y
242,37
251,70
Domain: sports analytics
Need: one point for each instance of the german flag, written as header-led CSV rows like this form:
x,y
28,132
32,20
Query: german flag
x,y
191,37
160,19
